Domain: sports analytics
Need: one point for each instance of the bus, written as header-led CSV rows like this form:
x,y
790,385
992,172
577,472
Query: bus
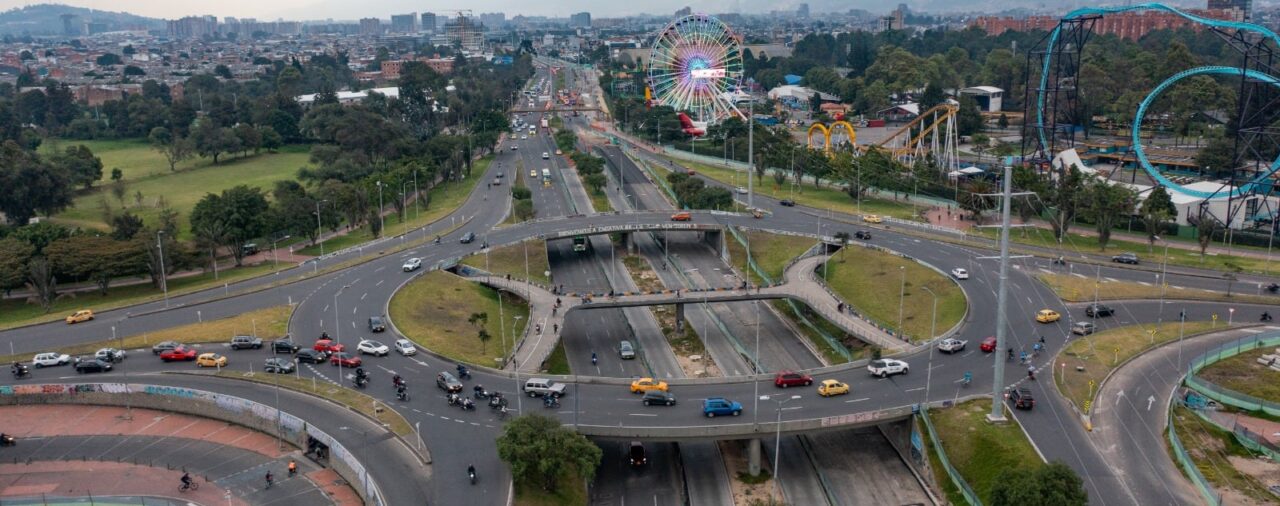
x,y
580,243
546,176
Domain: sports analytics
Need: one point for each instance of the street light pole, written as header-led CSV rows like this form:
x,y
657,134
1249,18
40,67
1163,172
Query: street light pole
x,y
128,404
902,297
164,279
933,328
1164,282
382,221
319,228
777,440
337,327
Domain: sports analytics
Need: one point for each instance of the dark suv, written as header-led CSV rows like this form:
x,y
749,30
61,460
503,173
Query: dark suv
x,y
376,324
1021,398
312,356
284,346
448,382
1098,310
245,343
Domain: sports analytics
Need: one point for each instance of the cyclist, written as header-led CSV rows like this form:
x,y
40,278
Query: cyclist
x,y
186,481
270,479
968,378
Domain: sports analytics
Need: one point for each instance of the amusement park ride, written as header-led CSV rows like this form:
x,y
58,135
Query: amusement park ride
x,y
1055,114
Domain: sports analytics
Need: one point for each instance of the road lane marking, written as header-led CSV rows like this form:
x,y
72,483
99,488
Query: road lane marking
x,y
380,282
641,414
365,294
858,400
915,389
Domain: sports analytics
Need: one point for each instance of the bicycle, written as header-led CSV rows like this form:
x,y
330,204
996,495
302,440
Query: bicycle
x,y
193,486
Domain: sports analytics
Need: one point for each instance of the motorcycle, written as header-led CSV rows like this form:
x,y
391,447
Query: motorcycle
x,y
7,440
1059,261
463,373
361,381
403,395
1266,317
467,405
454,399
550,401
1273,288
21,372
496,401
481,393
472,474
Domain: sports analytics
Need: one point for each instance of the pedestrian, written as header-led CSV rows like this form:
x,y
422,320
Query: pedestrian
x,y
293,468
556,327
270,479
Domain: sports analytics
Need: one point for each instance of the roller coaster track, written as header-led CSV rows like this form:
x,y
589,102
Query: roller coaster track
x,y
1138,149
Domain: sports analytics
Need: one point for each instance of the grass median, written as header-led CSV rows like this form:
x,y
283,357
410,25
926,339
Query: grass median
x,y
362,403
980,450
441,201
770,252
826,197
434,310
1242,373
511,260
269,323
871,282
1076,289
1087,360
1076,244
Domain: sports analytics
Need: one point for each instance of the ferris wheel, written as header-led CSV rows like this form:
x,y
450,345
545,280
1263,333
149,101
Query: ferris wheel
x,y
696,67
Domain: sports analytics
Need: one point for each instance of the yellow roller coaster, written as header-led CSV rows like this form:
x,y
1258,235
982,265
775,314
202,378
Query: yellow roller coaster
x,y
932,131
827,133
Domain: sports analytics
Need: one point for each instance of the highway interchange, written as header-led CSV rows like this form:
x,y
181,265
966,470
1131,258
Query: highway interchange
x,y
341,301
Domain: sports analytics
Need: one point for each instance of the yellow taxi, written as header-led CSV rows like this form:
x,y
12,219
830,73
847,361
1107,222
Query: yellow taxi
x,y
646,384
211,360
871,218
82,315
1047,316
533,172
829,388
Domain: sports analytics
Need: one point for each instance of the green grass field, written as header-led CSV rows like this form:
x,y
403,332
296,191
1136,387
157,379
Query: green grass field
x,y
444,200
826,197
1074,289
181,189
134,157
977,449
510,260
871,282
770,252
1089,359
1244,374
433,311
1076,244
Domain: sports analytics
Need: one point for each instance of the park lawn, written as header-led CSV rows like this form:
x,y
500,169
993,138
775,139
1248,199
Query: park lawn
x,y
1076,243
352,399
433,309
270,323
1074,289
1244,374
182,189
134,157
558,361
571,491
1213,451
16,312
509,260
442,201
1087,360
870,282
979,450
826,197
770,252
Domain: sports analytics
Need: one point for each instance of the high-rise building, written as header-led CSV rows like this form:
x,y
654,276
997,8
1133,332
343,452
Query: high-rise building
x,y
1245,6
370,26
463,31
68,28
580,20
193,27
802,11
429,22
404,23
493,19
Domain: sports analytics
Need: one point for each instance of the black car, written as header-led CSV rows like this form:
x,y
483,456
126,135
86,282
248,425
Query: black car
x,y
1021,398
637,454
468,238
652,397
1125,258
1098,310
863,235
312,356
284,346
164,346
89,364
376,324
279,366
787,203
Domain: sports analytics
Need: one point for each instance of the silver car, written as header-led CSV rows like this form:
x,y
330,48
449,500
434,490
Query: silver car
x,y
626,350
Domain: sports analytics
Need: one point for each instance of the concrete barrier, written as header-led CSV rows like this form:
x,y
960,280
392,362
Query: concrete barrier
x,y
213,405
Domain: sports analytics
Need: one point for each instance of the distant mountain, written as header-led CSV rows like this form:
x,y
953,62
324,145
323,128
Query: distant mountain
x,y
46,19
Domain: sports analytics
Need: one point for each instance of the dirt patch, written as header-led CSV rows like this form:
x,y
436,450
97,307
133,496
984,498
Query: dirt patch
x,y
735,461
688,348
1266,471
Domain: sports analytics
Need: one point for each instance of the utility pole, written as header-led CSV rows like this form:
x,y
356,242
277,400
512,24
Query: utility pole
x,y
751,150
1002,299
164,279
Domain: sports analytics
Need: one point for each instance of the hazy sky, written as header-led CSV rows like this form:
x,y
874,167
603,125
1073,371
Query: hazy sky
x,y
349,9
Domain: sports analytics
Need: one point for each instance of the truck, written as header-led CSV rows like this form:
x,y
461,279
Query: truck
x,y
544,123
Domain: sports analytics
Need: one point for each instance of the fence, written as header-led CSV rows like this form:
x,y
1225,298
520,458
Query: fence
x,y
1225,395
956,479
1188,465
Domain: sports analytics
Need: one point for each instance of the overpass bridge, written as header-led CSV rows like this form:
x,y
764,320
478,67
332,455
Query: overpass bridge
x,y
566,108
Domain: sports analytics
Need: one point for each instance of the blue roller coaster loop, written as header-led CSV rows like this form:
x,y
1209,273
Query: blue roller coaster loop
x,y
1137,123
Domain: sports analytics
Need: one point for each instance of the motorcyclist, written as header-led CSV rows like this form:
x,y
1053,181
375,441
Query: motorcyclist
x,y
19,369
471,473
462,370
1010,353
400,392
397,380
437,239
593,358
479,390
324,335
1266,316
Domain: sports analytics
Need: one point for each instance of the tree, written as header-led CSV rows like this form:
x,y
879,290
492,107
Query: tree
x,y
1064,199
223,71
134,70
14,254
79,163
1054,484
30,185
484,337
108,59
932,96
125,225
540,451
843,238
41,281
1205,226
250,138
1156,209
478,319
271,140
968,118
94,258
523,209
595,182
973,197
1104,203
211,140
174,148
241,210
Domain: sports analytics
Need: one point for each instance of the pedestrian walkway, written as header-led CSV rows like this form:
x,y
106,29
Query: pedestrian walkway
x,y
800,284
80,451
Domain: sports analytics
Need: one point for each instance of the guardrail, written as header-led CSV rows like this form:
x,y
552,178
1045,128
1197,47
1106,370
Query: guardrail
x,y
747,430
1226,395
952,473
205,404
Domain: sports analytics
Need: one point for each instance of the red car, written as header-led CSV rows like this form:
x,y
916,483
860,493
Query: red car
x,y
327,346
181,353
786,379
344,359
988,344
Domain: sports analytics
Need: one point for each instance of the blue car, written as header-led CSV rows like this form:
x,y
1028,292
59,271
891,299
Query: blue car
x,y
720,406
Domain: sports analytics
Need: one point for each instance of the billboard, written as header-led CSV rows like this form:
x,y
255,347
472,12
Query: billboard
x,y
707,73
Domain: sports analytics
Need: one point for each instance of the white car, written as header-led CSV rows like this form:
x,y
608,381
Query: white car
x,y
514,147
886,367
951,345
959,273
741,190
412,264
545,155
102,354
405,347
524,137
50,359
377,349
